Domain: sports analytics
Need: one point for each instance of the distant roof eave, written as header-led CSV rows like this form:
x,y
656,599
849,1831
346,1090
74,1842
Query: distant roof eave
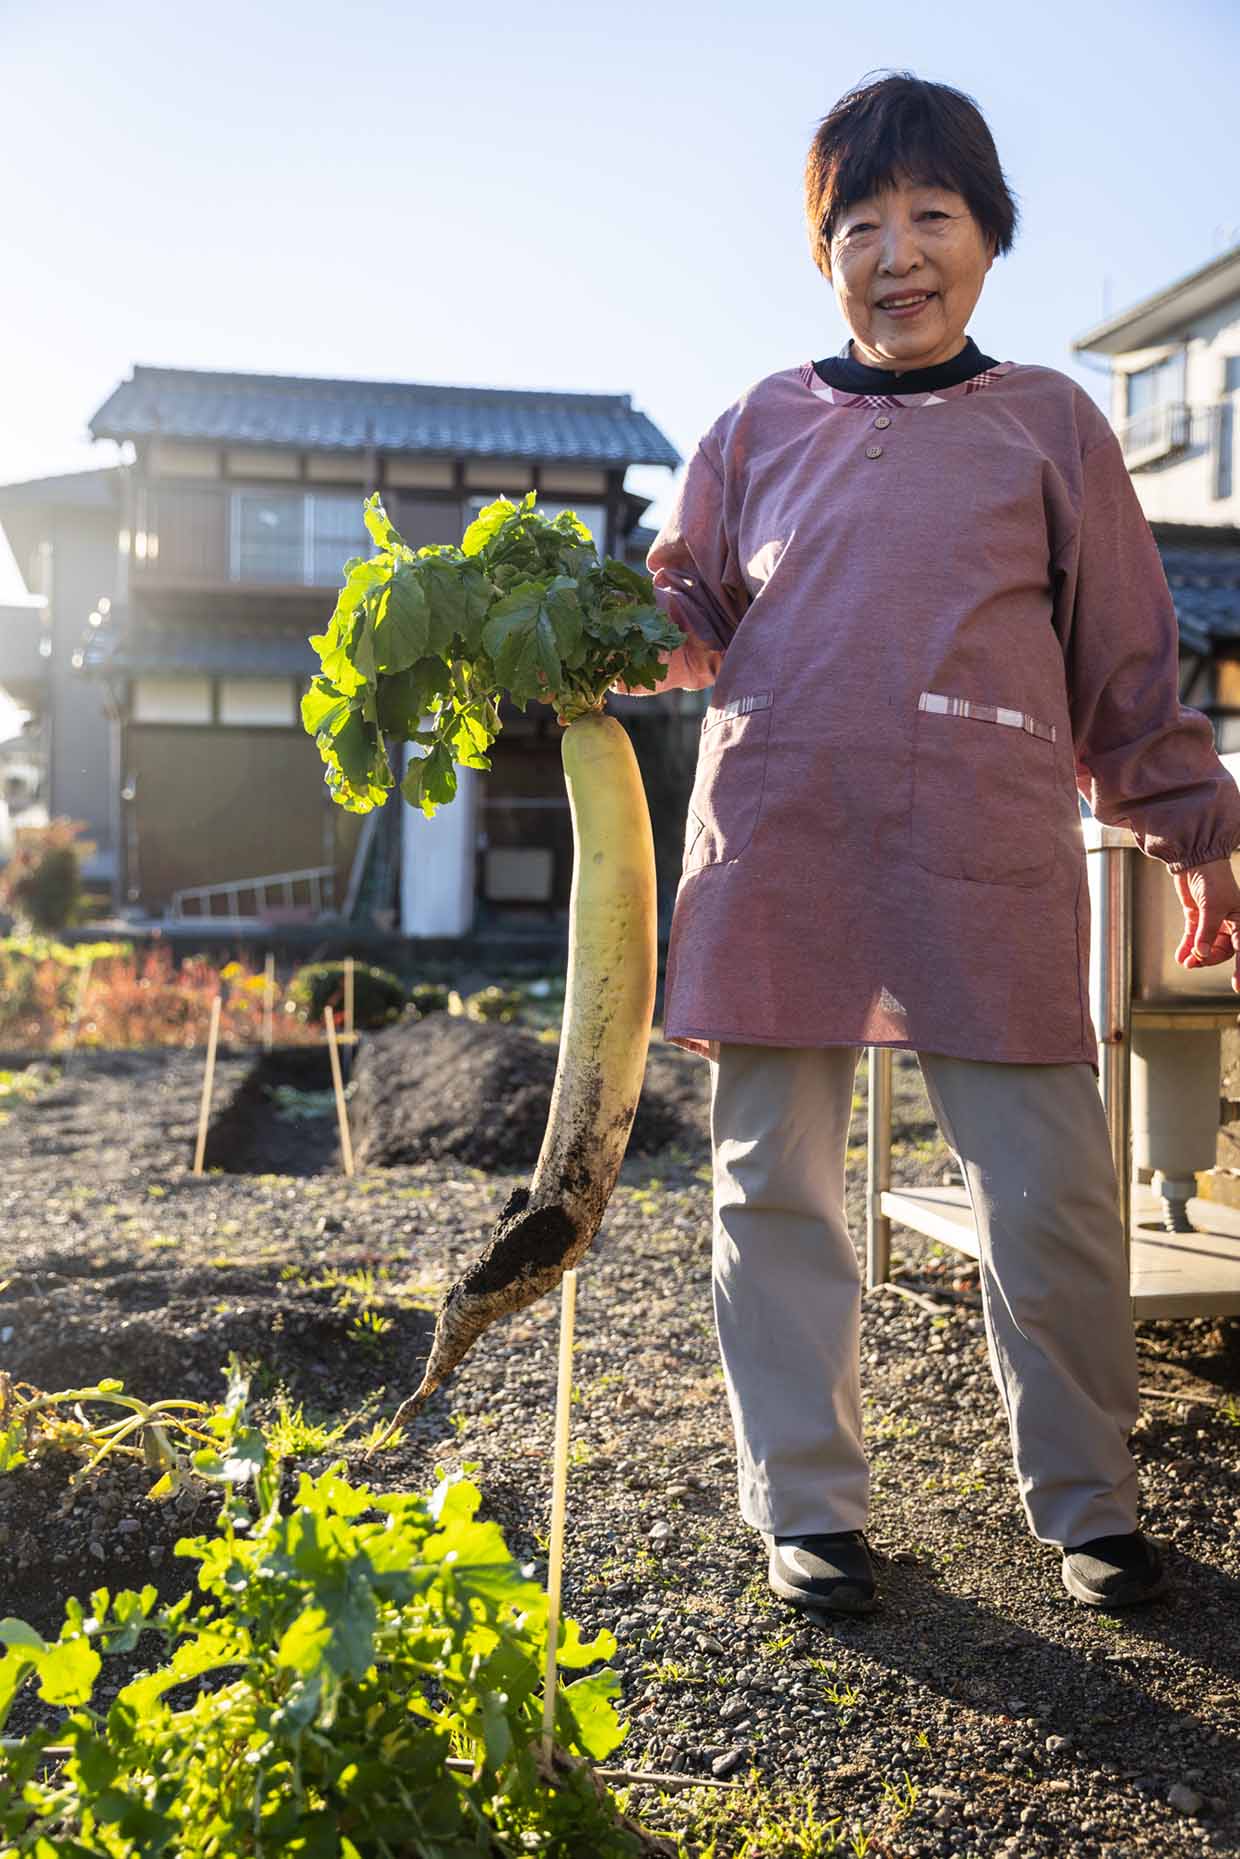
x,y
1163,315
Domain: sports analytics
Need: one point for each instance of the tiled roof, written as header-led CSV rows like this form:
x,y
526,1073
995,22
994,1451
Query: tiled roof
x,y
82,490
216,652
1204,578
394,416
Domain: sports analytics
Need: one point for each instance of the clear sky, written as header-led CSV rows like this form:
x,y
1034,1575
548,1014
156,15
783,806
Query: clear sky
x,y
603,199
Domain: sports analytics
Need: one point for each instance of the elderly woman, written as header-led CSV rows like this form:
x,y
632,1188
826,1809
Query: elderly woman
x,y
931,608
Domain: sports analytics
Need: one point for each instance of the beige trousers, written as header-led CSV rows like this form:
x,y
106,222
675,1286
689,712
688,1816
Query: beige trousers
x,y
1033,1147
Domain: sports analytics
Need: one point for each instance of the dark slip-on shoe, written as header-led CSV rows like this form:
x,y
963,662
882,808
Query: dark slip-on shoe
x,y
1114,1571
827,1573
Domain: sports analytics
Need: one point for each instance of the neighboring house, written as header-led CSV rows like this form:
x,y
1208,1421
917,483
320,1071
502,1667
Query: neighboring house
x,y
62,532
180,589
1175,406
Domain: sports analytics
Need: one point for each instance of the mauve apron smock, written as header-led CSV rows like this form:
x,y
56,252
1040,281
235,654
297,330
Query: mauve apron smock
x,y
928,618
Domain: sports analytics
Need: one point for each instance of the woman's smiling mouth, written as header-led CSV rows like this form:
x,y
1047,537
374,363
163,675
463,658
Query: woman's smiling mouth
x,y
904,307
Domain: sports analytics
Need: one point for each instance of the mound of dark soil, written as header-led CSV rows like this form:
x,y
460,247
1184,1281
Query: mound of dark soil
x,y
480,1093
165,1328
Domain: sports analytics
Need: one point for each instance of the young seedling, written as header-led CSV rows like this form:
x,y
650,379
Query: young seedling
x,y
420,649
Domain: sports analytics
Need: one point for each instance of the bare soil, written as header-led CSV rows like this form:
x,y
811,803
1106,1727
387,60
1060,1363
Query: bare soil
x,y
1012,1720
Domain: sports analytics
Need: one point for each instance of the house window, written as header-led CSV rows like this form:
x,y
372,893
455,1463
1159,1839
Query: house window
x,y
336,532
1155,386
258,702
171,700
1151,392
269,536
296,537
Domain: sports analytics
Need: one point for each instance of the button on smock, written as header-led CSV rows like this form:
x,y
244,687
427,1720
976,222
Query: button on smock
x,y
873,451
883,420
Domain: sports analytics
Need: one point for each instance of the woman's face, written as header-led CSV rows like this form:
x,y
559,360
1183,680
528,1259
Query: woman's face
x,y
905,241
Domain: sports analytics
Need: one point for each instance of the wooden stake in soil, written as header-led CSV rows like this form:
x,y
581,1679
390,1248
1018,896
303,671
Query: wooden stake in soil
x,y
269,1001
342,1114
559,1483
348,999
208,1079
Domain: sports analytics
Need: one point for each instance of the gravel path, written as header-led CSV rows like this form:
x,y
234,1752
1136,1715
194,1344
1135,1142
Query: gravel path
x,y
980,1711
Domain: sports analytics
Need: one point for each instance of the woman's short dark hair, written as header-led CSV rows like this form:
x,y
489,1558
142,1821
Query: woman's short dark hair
x,y
904,126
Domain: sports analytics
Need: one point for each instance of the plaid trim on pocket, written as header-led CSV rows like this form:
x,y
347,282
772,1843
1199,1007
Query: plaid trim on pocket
x,y
985,713
739,706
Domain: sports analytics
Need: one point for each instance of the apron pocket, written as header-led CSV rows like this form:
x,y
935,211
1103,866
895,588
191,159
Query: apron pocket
x,y
985,792
729,782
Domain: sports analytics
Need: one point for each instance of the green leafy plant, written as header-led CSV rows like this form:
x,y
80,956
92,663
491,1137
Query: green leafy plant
x,y
422,642
364,1674
290,1433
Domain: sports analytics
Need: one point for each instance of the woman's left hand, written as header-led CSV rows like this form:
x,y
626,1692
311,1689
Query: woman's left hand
x,y
1211,900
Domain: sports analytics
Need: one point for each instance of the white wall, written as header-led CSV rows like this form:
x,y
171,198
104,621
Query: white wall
x,y
1183,488
437,862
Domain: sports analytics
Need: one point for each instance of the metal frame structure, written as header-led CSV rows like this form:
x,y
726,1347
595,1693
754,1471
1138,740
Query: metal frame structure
x,y
317,881
1172,1274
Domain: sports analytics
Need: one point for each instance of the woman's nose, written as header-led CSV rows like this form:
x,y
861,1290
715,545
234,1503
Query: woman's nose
x,y
899,247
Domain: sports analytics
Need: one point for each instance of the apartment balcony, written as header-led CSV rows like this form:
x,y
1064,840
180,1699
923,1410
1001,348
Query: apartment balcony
x,y
1171,429
1157,433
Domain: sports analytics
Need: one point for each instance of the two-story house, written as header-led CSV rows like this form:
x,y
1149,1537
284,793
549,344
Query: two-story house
x,y
180,588
1175,404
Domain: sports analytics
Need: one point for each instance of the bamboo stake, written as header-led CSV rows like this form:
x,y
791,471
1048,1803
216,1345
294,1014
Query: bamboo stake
x,y
342,1114
559,1483
208,1079
269,1000
348,999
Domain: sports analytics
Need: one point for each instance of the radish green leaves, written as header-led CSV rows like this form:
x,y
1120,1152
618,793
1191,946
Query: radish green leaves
x,y
423,643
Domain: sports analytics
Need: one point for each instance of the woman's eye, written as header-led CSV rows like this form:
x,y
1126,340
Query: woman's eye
x,y
930,213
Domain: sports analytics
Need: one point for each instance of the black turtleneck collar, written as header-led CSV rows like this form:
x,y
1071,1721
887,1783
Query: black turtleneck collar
x,y
854,377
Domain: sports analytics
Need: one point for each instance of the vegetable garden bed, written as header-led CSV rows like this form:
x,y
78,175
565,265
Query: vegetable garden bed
x,y
977,1709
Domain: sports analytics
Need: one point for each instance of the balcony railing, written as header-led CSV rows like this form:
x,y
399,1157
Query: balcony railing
x,y
1156,433
1177,426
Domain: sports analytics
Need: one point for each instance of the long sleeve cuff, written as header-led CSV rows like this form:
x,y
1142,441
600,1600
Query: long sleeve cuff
x,y
1220,848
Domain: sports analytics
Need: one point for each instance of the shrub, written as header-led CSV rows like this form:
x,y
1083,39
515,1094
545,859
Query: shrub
x,y
41,886
127,999
379,997
429,997
351,1648
493,1003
